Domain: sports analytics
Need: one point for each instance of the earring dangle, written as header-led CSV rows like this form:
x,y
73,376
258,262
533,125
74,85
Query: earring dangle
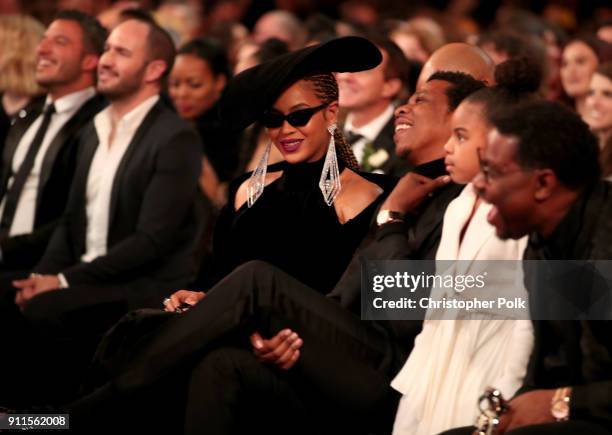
x,y
330,176
257,181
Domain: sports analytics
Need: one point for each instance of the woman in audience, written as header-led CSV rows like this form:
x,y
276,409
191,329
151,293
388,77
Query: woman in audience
x,y
578,63
598,114
196,83
454,360
265,229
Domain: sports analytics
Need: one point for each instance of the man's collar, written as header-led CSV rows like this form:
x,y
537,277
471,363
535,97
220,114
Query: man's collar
x,y
432,169
564,238
373,128
71,101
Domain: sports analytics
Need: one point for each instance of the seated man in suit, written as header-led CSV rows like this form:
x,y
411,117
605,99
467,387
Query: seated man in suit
x,y
40,150
369,97
540,171
130,226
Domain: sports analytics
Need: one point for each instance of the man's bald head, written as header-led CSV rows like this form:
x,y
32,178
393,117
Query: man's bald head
x,y
460,57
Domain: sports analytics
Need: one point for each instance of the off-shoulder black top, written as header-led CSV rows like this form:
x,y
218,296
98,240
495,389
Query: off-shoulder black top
x,y
292,227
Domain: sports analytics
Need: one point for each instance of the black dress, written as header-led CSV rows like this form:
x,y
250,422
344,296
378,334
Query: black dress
x,y
291,227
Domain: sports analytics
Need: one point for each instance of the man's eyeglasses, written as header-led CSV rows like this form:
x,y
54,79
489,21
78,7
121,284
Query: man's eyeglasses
x,y
484,165
488,172
299,118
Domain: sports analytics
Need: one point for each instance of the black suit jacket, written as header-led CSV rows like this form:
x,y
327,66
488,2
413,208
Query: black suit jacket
x,y
24,251
416,239
575,353
155,212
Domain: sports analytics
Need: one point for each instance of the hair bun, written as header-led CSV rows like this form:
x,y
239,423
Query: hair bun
x,y
518,75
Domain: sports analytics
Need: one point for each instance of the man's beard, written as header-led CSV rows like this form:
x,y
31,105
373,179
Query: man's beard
x,y
124,87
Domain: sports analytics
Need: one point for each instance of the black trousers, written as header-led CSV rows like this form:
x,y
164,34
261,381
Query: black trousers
x,y
230,392
51,342
562,428
345,364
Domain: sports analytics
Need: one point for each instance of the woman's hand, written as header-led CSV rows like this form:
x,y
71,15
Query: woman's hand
x,y
182,299
282,350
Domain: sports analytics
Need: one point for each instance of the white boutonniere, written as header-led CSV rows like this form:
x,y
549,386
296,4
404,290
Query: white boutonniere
x,y
378,159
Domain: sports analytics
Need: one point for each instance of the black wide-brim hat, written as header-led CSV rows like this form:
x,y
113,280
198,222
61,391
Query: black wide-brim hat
x,y
255,90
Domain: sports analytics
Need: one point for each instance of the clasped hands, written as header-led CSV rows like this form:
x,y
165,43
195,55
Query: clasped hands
x,y
34,285
282,350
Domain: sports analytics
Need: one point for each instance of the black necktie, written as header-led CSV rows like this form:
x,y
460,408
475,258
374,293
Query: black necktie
x,y
351,137
14,192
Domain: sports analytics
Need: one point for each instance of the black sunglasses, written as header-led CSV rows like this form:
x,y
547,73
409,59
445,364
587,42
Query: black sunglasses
x,y
274,119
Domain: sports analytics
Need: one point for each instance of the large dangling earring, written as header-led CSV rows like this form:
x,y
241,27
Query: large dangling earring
x,y
330,177
258,178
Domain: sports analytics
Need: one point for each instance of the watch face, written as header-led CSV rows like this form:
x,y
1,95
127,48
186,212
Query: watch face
x,y
560,410
382,217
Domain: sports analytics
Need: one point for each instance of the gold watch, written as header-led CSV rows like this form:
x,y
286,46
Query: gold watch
x,y
560,404
387,216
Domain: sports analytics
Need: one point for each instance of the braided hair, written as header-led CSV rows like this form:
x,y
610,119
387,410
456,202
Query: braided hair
x,y
326,89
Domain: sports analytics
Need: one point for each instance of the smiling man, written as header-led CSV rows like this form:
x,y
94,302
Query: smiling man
x,y
131,223
369,98
114,234
40,149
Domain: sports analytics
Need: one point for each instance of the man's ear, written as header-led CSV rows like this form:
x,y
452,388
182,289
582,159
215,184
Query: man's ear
x,y
331,112
155,70
546,183
391,88
90,62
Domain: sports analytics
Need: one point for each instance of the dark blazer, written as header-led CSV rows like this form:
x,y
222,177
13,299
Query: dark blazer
x,y
575,353
154,215
17,127
24,251
394,165
417,239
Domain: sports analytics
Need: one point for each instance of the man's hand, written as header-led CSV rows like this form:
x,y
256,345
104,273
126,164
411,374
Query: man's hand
x,y
181,298
411,190
282,350
526,410
34,285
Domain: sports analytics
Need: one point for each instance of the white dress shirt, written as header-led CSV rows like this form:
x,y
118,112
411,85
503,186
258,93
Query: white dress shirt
x,y
103,169
65,108
370,131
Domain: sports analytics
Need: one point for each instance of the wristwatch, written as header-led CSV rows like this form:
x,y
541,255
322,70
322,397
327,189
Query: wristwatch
x,y
560,404
387,216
